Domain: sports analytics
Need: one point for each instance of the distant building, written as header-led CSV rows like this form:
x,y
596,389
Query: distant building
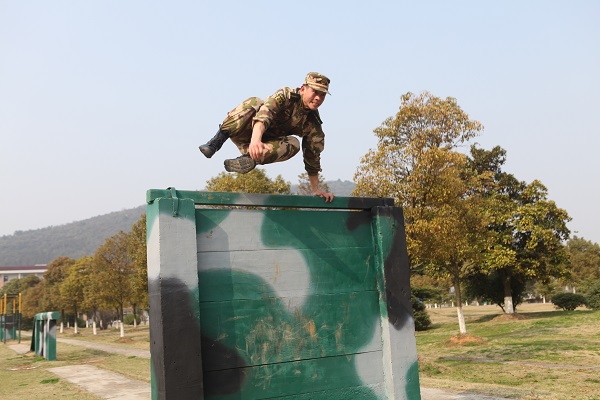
x,y
9,273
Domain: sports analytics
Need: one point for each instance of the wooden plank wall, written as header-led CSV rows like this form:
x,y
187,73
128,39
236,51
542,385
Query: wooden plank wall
x,y
289,304
249,302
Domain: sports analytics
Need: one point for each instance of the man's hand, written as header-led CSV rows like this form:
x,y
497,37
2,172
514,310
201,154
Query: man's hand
x,y
257,147
314,184
328,196
256,150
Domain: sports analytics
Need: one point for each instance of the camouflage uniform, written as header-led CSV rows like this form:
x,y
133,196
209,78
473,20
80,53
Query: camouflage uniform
x,y
284,116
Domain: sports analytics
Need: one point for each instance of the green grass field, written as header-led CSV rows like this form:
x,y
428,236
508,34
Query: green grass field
x,y
541,354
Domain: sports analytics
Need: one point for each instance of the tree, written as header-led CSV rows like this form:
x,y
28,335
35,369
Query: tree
x,y
584,262
255,181
53,278
527,228
429,289
136,248
490,287
422,320
29,296
93,300
17,286
72,286
304,188
417,164
32,298
113,270
592,296
544,289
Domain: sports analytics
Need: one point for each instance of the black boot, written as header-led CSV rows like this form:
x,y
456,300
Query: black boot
x,y
243,164
214,144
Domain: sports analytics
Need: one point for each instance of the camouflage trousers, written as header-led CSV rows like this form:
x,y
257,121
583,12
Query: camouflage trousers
x,y
238,124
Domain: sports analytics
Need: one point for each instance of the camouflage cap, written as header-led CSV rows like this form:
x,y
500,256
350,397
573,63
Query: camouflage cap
x,y
317,82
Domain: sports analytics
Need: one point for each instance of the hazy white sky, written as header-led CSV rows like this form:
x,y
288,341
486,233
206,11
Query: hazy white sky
x,y
102,100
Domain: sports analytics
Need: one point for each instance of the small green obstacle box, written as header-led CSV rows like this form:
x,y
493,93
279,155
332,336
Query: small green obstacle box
x,y
43,339
271,296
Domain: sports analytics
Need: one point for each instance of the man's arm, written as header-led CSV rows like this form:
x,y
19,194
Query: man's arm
x,y
257,147
314,184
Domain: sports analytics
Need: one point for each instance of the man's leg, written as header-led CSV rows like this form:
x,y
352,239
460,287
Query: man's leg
x,y
236,123
214,144
276,150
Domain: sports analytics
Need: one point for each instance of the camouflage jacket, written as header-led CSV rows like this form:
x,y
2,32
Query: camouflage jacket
x,y
284,114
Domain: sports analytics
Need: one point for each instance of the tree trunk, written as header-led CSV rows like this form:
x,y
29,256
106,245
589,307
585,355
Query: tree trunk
x,y
462,327
62,321
75,324
508,303
120,312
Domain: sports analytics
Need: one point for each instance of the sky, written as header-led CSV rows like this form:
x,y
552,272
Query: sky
x,y
102,100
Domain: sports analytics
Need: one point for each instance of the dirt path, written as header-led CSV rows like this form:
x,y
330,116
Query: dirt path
x,y
103,383
110,385
106,347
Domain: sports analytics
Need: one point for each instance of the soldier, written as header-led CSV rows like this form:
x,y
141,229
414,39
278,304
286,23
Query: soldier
x,y
264,131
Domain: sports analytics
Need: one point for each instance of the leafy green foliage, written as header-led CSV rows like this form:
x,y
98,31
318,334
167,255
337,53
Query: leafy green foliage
x,y
256,181
136,249
427,293
417,164
490,288
71,287
583,267
527,229
17,286
129,318
52,299
113,270
421,318
592,296
568,301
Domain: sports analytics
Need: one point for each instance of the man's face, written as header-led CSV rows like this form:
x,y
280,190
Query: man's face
x,y
312,98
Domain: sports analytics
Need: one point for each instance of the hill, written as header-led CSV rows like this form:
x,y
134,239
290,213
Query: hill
x,y
339,188
81,238
75,240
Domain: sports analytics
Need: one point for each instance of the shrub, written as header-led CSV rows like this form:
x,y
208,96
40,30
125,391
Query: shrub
x,y
128,319
593,297
568,301
26,323
422,320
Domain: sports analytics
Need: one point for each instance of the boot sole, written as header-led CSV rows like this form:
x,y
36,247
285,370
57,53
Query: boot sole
x,y
241,165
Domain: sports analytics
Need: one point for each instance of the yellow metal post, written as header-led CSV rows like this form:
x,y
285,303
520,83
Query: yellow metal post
x,y
4,319
20,314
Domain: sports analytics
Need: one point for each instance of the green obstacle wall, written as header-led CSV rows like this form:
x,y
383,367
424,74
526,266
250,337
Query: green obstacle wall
x,y
268,297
